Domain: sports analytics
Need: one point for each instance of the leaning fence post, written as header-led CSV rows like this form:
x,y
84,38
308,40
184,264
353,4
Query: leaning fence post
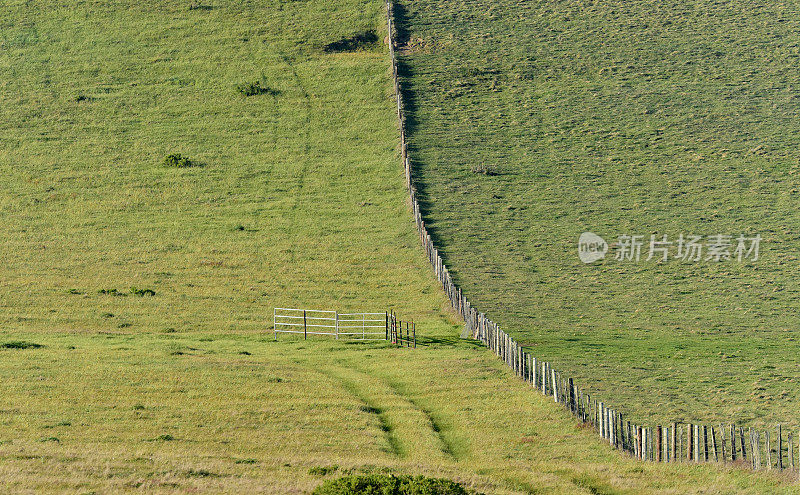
x,y
714,444
744,449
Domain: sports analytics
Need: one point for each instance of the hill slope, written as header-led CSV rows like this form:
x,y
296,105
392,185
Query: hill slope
x,y
299,199
645,118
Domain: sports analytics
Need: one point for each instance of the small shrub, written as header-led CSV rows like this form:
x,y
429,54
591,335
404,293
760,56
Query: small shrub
x,y
20,344
323,470
111,292
74,291
178,160
124,325
255,88
50,439
107,315
199,6
142,292
484,169
165,438
245,353
138,407
389,485
201,473
358,41
245,461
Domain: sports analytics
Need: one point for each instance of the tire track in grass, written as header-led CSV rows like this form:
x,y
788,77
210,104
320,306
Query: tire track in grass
x,y
409,430
369,407
448,446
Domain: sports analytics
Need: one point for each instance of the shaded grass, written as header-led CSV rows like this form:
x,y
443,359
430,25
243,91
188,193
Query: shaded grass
x,y
618,118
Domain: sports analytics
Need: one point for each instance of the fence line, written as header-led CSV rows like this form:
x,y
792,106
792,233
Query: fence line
x,y
660,443
396,332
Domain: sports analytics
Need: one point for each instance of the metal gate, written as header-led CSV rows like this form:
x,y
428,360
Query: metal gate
x,y
359,326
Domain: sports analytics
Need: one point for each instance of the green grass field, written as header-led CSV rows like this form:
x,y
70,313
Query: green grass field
x,y
183,413
619,118
298,199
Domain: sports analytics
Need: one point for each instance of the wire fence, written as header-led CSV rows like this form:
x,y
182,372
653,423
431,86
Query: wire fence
x,y
396,332
672,442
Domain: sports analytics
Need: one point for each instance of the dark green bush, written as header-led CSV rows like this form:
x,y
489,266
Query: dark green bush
x,y
360,41
255,88
380,484
142,292
110,292
20,344
178,160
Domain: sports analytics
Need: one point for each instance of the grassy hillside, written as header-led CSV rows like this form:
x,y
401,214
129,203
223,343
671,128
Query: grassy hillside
x,y
619,118
297,196
298,199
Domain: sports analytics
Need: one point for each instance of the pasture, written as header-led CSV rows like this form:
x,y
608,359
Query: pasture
x,y
136,285
530,123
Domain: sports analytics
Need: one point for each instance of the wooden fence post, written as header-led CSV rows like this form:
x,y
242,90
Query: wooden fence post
x,y
780,448
674,442
305,328
659,434
714,445
741,438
